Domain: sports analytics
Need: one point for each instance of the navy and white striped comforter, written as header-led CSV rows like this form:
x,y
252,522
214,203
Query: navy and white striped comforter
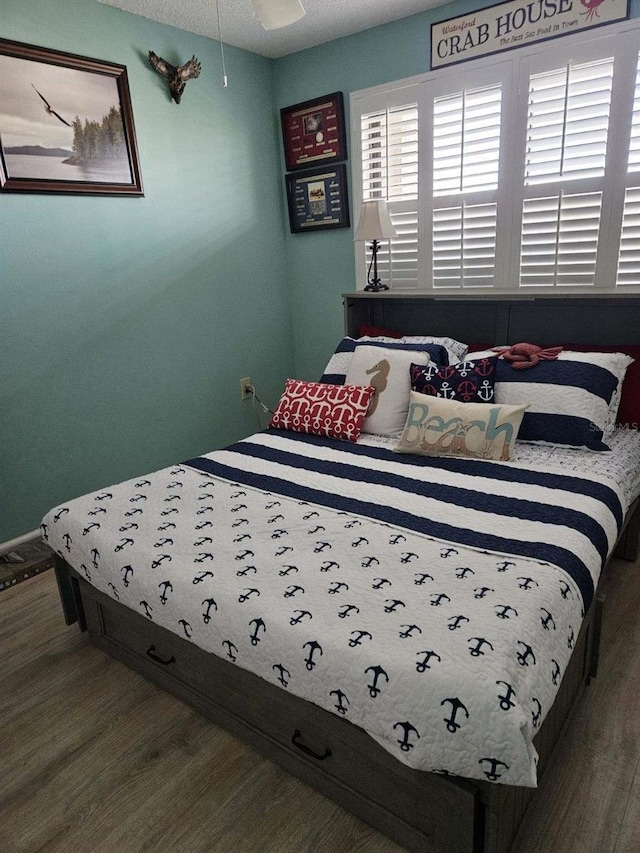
x,y
432,601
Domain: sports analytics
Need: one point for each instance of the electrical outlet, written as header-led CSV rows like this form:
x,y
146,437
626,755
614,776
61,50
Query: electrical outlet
x,y
245,388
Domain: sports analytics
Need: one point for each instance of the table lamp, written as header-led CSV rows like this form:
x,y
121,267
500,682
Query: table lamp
x,y
374,224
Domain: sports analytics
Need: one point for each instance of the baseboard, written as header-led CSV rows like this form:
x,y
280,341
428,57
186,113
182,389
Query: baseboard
x,y
23,558
19,540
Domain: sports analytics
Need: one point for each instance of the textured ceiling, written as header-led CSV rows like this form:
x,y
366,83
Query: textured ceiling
x,y
324,21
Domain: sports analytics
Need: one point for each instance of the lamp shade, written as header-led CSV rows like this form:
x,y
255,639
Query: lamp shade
x,y
375,222
275,14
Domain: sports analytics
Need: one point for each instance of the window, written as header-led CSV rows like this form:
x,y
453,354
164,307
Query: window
x,y
628,272
516,172
566,143
463,209
390,170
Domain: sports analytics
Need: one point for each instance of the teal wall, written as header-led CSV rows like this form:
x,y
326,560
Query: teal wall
x,y
321,266
127,323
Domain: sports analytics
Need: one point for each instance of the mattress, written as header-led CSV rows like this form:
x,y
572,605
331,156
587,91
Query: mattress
x,y
434,602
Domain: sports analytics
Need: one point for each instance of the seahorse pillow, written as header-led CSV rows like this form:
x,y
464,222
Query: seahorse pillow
x,y
436,425
335,411
388,371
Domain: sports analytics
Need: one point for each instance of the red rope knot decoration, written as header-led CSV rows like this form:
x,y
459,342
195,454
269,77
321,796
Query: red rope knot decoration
x,y
523,356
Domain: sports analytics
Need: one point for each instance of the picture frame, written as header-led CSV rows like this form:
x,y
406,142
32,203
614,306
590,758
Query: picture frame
x,y
66,124
314,131
318,199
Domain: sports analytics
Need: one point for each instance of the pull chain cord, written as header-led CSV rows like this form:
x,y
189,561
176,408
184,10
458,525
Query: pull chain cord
x,y
225,82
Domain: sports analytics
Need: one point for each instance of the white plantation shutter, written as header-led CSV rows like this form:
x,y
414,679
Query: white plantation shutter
x,y
464,246
466,157
389,145
566,144
398,258
560,239
568,122
390,154
629,255
466,141
517,172
633,161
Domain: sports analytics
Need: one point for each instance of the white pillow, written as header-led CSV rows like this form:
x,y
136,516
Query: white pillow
x,y
388,371
456,350
480,354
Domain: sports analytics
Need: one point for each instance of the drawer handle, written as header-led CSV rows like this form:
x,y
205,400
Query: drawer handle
x,y
157,658
295,740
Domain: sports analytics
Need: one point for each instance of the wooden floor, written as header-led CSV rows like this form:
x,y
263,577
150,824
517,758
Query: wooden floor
x,y
93,758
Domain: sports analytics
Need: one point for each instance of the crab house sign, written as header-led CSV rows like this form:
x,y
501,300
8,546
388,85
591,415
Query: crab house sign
x,y
515,24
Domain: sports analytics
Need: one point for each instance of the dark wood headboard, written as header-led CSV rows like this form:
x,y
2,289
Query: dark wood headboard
x,y
544,320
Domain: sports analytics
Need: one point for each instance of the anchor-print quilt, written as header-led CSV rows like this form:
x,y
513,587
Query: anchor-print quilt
x,y
434,602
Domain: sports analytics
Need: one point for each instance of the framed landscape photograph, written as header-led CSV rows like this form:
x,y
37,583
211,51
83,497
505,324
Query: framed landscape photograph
x,y
66,124
318,199
314,132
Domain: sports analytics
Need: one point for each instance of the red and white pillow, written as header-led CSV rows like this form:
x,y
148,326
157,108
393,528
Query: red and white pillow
x,y
334,411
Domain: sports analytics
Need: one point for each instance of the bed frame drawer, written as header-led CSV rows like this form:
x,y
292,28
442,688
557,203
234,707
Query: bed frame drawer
x,y
419,810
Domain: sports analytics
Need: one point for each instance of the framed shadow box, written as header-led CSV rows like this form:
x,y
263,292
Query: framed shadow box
x,y
314,132
318,199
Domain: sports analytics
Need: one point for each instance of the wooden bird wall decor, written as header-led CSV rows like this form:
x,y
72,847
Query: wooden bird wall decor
x,y
177,77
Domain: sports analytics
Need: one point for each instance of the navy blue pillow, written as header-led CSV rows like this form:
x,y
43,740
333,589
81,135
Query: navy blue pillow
x,y
466,381
336,370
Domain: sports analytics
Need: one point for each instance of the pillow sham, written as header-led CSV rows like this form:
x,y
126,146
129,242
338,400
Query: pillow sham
x,y
448,427
467,381
571,400
628,414
628,409
387,370
336,368
335,411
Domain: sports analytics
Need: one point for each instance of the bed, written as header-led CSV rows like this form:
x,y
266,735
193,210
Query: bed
x,y
407,634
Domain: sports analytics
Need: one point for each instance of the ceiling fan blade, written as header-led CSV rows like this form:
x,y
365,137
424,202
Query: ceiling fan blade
x,y
275,14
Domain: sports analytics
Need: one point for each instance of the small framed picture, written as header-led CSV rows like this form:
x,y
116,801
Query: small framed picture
x,y
318,199
66,124
314,132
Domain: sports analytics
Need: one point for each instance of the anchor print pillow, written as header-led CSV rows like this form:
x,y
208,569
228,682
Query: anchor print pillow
x,y
387,370
439,426
334,411
466,381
